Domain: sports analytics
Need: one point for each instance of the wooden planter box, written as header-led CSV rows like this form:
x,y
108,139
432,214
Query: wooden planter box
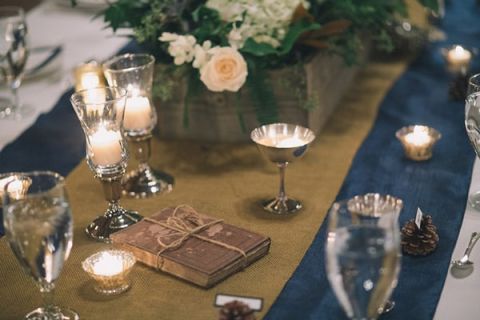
x,y
305,96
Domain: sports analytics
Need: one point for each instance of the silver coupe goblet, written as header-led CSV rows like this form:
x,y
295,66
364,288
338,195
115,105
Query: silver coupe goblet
x,y
282,143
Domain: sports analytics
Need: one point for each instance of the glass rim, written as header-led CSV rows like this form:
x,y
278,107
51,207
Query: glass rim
x,y
11,9
257,133
397,202
106,65
60,180
474,77
122,91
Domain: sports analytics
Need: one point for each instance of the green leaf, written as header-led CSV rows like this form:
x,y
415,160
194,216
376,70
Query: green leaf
x,y
258,49
432,4
262,95
294,32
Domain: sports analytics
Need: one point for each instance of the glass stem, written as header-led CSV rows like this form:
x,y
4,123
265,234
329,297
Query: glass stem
x,y
281,193
48,292
15,98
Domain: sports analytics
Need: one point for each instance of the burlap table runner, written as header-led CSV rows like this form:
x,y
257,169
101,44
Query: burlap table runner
x,y
226,181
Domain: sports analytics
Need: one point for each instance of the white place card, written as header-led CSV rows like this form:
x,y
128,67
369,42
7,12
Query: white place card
x,y
418,218
253,303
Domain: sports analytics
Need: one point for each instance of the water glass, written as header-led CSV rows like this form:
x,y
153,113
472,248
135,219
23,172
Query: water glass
x,y
363,253
38,226
13,57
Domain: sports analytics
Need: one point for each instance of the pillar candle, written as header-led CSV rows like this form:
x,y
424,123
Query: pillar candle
x,y
105,147
138,113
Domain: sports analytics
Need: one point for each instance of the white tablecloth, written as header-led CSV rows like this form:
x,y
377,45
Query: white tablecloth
x,y
82,39
460,296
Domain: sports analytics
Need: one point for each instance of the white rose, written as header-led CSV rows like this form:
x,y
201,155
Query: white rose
x,y
226,70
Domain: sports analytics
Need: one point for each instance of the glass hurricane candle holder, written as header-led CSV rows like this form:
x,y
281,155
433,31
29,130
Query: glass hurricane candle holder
x,y
282,143
109,269
134,72
418,141
101,112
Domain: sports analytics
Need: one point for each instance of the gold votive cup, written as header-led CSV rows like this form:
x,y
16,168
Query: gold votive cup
x,y
15,184
88,76
418,141
458,58
109,269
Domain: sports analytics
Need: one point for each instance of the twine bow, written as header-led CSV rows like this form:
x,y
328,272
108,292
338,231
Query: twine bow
x,y
187,223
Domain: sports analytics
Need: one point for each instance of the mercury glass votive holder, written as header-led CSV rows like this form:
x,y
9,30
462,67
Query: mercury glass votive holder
x,y
457,58
109,269
418,141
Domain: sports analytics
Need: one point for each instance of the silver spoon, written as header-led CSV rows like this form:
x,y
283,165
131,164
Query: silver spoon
x,y
464,262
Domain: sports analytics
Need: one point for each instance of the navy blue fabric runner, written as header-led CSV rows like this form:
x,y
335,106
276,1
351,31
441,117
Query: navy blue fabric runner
x,y
439,186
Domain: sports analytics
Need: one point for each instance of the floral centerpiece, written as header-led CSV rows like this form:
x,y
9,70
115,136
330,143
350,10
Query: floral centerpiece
x,y
226,45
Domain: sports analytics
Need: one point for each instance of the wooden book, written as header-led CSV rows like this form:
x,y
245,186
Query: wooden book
x,y
195,259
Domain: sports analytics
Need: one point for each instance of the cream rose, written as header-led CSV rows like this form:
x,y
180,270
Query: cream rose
x,y
226,70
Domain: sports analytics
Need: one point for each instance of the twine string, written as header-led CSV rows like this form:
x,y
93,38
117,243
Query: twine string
x,y
187,225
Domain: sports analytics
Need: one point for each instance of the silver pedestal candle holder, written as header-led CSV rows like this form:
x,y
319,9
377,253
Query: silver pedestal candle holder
x,y
282,143
134,72
101,111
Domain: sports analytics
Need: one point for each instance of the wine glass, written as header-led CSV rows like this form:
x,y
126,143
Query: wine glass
x,y
472,125
13,57
38,225
134,72
101,111
282,143
363,253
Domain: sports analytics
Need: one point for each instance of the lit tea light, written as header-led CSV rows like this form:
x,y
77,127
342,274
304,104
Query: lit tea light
x,y
458,58
88,76
110,269
418,141
282,141
90,80
419,136
105,147
15,185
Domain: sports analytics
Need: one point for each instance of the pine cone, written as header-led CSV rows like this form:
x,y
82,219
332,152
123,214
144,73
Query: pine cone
x,y
236,310
458,88
419,242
